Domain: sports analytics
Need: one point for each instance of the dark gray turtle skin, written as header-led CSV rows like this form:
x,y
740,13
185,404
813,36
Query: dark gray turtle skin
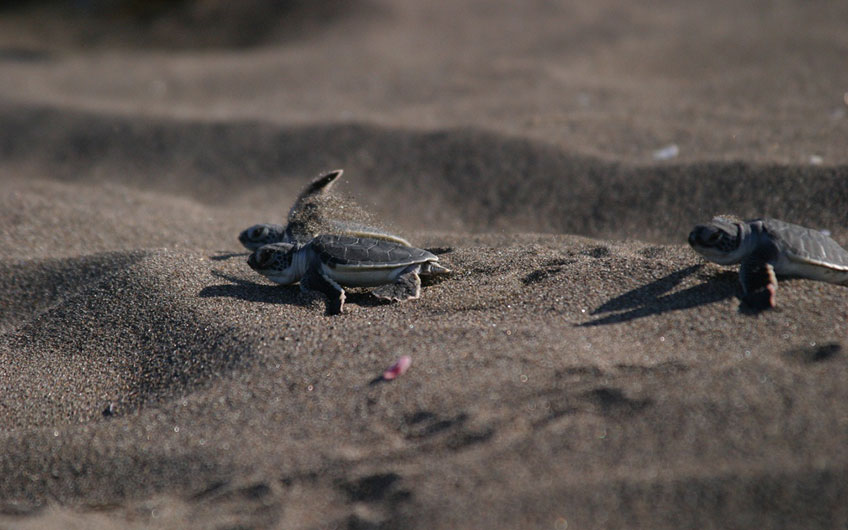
x,y
769,247
330,262
306,216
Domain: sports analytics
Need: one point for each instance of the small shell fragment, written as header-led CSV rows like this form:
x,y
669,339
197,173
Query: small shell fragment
x,y
666,153
398,368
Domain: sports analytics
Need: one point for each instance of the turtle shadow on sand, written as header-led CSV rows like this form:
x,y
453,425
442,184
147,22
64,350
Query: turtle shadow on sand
x,y
252,291
652,299
277,294
223,255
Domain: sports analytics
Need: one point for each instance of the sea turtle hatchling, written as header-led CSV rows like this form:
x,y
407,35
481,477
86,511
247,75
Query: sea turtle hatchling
x,y
306,218
329,262
766,247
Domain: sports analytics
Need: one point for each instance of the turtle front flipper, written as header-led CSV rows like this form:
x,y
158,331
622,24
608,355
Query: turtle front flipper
x,y
318,186
314,280
406,287
759,283
304,215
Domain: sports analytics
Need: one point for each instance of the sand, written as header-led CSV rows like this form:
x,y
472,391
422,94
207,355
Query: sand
x,y
582,367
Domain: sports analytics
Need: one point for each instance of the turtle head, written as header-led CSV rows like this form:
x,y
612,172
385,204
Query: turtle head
x,y
276,262
719,241
262,234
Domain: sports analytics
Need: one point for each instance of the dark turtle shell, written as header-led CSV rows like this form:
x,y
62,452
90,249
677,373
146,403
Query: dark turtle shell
x,y
366,253
806,245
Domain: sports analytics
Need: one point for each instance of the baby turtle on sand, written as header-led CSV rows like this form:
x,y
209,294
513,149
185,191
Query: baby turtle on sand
x,y
305,220
766,247
329,262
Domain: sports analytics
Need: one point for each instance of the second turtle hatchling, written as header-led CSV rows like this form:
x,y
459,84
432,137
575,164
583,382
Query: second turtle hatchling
x,y
768,247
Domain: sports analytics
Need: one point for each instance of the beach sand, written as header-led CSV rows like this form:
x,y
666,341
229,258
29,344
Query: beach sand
x,y
581,368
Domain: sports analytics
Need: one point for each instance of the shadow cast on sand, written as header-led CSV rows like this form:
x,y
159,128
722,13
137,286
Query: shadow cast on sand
x,y
651,299
228,255
277,294
253,292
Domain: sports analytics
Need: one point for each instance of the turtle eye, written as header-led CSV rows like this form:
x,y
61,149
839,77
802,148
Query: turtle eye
x,y
258,232
264,256
714,237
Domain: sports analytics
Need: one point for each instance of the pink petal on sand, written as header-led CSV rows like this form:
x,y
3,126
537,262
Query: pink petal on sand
x,y
397,369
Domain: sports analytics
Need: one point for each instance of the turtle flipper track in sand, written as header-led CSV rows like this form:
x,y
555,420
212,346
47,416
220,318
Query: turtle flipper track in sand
x,y
330,262
767,248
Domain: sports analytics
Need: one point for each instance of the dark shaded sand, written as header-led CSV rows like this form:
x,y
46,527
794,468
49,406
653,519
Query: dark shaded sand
x,y
582,367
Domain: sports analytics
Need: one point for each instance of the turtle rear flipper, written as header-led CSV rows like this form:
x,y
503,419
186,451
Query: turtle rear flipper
x,y
314,280
406,287
759,283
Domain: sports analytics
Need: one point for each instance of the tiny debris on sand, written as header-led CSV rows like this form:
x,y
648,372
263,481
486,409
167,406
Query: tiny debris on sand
x,y
398,368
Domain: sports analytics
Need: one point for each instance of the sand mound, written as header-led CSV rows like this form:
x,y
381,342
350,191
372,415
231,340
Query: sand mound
x,y
458,179
103,331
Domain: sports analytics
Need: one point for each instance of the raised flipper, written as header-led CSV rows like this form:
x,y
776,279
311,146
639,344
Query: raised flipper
x,y
759,283
308,216
406,287
314,280
320,185
304,211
